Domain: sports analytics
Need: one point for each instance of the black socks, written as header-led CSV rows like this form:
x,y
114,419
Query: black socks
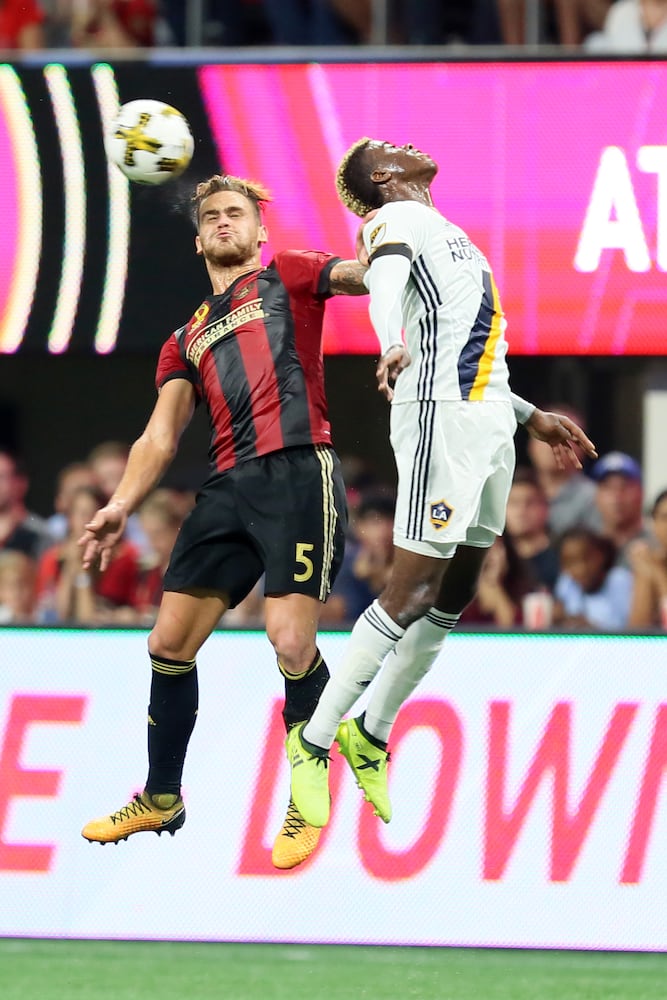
x,y
302,692
171,718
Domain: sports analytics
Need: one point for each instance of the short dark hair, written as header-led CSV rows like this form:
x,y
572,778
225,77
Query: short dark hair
x,y
355,188
658,500
255,192
604,545
20,468
376,502
524,475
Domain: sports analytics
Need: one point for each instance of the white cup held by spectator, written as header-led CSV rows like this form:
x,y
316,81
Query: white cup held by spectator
x,y
538,611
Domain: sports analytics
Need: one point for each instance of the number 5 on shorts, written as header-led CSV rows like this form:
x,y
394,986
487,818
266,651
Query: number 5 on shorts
x,y
303,560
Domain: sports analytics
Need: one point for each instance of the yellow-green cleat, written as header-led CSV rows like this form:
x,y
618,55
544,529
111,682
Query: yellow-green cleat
x,y
158,813
309,779
369,764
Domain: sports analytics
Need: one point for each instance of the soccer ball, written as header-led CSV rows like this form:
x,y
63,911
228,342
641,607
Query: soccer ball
x,y
149,141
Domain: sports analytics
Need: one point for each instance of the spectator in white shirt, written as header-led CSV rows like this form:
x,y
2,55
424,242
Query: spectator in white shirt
x,y
632,27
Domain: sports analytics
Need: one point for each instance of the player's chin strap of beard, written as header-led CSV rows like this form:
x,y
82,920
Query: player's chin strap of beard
x,y
302,691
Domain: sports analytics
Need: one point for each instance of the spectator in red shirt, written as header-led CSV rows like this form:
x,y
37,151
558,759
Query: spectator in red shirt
x,y
21,24
161,519
68,593
113,24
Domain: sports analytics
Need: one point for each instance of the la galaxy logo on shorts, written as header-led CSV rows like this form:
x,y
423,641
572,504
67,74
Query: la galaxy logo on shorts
x,y
440,514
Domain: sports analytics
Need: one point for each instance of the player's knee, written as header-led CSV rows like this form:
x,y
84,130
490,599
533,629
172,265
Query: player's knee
x,y
411,603
412,611
166,643
294,648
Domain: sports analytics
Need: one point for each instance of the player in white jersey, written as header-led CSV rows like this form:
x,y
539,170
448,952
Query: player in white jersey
x,y
455,460
436,311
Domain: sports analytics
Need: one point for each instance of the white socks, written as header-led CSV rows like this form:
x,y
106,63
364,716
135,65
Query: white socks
x,y
373,636
412,653
405,667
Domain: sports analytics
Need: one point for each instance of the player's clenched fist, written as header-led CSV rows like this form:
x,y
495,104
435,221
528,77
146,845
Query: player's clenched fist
x,y
389,367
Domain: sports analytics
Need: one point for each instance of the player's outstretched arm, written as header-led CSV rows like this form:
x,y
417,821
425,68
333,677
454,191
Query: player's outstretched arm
x,y
564,436
150,456
347,278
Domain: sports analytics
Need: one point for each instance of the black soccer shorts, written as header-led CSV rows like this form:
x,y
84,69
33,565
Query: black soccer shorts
x,y
283,515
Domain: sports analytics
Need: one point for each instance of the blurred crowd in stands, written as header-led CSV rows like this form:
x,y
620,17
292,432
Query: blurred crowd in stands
x,y
597,26
582,550
42,580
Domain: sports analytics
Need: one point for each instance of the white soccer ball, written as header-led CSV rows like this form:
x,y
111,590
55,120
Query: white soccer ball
x,y
149,141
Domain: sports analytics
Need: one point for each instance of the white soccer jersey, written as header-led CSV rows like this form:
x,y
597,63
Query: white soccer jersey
x,y
453,323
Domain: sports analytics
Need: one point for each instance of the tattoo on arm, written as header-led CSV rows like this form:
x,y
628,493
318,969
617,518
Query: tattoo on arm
x,y
346,278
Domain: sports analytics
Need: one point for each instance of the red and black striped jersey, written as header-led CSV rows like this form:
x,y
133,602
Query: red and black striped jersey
x,y
254,357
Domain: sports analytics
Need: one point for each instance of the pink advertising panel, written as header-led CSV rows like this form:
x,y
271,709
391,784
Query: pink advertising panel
x,y
557,171
527,782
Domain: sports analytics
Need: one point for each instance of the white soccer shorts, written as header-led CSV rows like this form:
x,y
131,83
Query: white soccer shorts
x,y
455,464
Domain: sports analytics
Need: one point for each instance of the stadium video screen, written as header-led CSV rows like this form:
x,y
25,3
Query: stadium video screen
x,y
557,171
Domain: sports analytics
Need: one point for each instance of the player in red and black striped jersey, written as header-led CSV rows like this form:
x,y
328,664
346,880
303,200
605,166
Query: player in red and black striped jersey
x,y
253,353
274,501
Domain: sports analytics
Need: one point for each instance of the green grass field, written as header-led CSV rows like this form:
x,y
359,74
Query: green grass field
x,y
108,970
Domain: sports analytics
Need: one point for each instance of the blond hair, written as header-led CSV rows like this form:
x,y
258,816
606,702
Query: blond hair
x,y
252,190
160,503
15,561
108,449
355,188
